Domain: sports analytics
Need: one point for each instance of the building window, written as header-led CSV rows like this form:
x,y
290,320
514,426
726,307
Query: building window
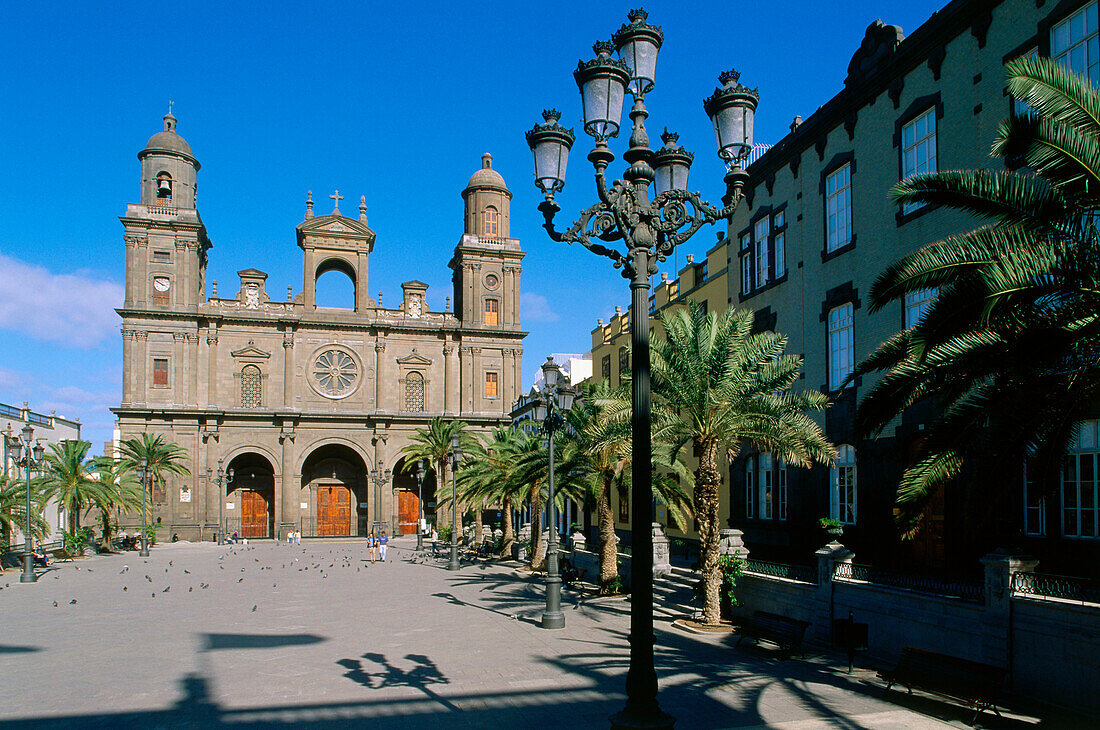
x,y
251,387
779,243
1073,43
490,385
841,346
492,312
764,485
414,392
842,478
1035,504
750,491
160,371
162,257
760,237
917,304
624,361
491,221
918,149
838,209
746,273
1079,485
605,367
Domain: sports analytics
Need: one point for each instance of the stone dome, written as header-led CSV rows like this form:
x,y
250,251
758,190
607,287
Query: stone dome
x,y
486,177
168,140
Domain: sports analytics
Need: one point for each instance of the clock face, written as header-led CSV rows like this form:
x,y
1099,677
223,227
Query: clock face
x,y
161,284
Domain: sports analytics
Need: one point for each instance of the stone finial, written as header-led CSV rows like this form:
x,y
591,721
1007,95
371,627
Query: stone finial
x,y
336,198
691,258
664,277
309,204
289,294
447,308
487,161
214,289
379,299
363,209
796,122
618,311
599,322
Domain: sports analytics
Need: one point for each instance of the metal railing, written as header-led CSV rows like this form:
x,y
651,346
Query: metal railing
x,y
801,573
1060,587
919,583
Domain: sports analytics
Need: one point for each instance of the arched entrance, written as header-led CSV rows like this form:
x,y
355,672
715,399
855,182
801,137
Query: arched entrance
x,y
252,494
334,484
408,497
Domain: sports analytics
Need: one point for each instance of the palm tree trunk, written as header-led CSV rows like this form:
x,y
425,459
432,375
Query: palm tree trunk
x,y
478,533
508,537
708,481
609,559
536,528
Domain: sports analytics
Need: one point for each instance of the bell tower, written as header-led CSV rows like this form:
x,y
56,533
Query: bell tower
x,y
166,241
486,262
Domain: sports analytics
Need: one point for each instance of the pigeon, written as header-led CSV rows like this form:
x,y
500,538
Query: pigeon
x,y
187,572
90,570
148,579
169,563
154,595
167,589
72,602
205,586
253,609
77,567
240,579
124,569
166,570
124,589
190,588
55,604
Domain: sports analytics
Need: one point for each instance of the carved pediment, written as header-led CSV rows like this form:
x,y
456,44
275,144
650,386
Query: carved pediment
x,y
879,43
335,224
414,358
250,351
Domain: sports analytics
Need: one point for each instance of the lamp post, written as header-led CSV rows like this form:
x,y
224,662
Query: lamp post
x,y
456,457
420,503
144,552
639,233
555,398
380,478
30,458
223,479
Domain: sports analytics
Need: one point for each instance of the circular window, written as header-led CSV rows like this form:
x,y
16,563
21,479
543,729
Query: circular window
x,y
491,281
334,374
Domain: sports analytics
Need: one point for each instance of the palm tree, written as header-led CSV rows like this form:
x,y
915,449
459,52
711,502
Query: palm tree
x,y
1010,344
161,456
123,492
433,444
490,476
720,387
68,478
13,509
597,454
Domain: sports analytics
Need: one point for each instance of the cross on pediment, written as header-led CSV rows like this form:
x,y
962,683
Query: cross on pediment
x,y
337,197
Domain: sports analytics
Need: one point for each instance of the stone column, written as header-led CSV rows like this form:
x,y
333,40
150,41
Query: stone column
x,y
132,280
141,363
309,283
996,624
289,491
183,294
179,387
477,403
517,359
141,272
192,369
828,557
507,359
288,370
662,564
210,469
362,290
128,366
212,365
379,375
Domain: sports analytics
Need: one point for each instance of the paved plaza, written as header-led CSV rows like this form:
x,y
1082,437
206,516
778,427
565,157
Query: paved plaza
x,y
312,635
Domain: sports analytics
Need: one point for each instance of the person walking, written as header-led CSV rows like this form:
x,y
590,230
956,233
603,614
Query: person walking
x,y
370,546
382,543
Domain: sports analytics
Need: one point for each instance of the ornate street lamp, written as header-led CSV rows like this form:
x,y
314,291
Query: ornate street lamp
x,y
554,398
636,233
223,479
420,503
456,458
380,478
31,459
144,552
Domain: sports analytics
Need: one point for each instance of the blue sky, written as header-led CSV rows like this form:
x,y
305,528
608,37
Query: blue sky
x,y
394,101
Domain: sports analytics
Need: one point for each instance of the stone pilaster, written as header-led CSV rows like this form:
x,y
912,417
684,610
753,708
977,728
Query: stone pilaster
x,y
179,340
379,375
141,364
128,366
828,557
452,387
996,628
288,370
212,365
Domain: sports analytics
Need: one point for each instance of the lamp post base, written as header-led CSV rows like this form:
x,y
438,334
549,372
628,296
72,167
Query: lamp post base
x,y
633,718
453,564
419,540
553,620
28,575
144,552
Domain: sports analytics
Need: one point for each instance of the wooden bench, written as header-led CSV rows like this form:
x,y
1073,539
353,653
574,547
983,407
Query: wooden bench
x,y
786,633
974,684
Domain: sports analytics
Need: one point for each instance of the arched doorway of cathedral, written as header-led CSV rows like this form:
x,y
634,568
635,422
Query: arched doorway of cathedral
x,y
334,284
252,495
334,484
408,496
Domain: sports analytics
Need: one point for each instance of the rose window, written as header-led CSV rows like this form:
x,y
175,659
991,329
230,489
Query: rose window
x,y
334,373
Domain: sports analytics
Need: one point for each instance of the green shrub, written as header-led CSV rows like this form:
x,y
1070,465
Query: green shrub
x,y
445,532
732,567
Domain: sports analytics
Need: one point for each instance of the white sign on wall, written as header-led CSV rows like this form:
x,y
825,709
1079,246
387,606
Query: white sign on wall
x,y
230,505
185,494
304,505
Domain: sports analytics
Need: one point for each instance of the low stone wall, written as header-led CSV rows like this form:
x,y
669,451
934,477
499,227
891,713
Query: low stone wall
x,y
1056,652
776,595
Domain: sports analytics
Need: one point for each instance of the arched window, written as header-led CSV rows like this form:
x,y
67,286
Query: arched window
x,y
842,485
414,392
251,387
164,188
491,221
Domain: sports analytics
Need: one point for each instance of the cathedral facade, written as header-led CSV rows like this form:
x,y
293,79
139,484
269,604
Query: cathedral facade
x,y
305,403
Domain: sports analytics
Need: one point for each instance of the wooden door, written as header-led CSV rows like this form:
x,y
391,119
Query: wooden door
x,y
333,511
253,514
408,511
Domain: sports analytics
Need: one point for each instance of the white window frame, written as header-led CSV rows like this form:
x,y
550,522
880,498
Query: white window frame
x,y
1075,43
746,273
918,149
761,232
917,304
779,243
841,327
838,208
1078,493
843,503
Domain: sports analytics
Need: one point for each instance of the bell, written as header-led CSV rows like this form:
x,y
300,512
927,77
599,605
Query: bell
x,y
164,188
